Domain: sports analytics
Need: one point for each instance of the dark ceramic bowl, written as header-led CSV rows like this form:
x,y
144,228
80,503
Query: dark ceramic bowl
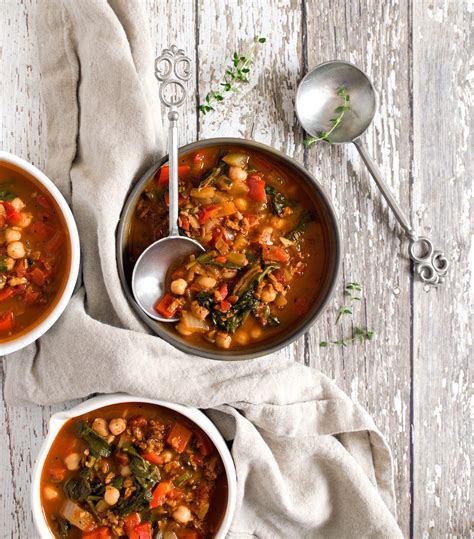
x,y
328,221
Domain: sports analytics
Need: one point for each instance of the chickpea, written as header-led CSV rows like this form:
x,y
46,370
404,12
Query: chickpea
x,y
241,203
117,425
206,282
223,340
50,493
269,294
100,426
125,471
111,495
255,333
178,287
16,250
18,204
9,263
278,222
237,174
73,461
12,234
183,330
182,514
241,337
25,219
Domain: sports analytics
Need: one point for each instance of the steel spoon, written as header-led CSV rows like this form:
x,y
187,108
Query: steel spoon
x,y
316,101
150,274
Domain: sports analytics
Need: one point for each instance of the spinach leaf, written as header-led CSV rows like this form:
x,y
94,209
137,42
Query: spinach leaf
x,y
272,321
63,527
137,502
279,201
142,469
7,195
296,233
212,175
3,264
97,445
77,488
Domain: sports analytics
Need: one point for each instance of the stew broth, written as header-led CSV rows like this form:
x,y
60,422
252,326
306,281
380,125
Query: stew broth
x,y
165,472
255,214
35,252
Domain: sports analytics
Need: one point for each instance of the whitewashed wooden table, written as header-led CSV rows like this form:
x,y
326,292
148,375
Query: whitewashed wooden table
x,y
414,377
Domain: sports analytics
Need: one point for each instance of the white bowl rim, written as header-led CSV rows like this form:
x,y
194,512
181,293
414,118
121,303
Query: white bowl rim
x,y
195,415
37,331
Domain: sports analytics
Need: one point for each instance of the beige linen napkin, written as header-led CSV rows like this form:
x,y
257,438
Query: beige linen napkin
x,y
310,462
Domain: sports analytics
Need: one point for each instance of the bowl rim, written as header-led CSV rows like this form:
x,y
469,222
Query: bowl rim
x,y
40,329
195,415
233,354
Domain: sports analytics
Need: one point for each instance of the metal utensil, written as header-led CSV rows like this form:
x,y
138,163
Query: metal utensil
x,y
149,277
316,101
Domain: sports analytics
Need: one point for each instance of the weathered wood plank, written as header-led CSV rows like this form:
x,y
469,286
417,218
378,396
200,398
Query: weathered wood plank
x,y
262,109
375,36
442,210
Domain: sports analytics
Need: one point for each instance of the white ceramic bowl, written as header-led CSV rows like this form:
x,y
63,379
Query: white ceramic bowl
x,y
35,333
196,416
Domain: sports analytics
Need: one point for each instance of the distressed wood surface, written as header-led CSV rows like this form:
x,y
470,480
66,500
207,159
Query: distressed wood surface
x,y
415,376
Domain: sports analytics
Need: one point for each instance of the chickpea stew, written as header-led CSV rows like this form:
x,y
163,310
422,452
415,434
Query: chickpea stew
x,y
34,252
266,247
133,470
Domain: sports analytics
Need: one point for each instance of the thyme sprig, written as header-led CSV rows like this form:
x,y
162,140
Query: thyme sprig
x,y
336,122
235,75
353,292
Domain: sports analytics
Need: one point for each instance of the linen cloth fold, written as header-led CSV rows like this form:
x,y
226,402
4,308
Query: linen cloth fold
x,y
310,462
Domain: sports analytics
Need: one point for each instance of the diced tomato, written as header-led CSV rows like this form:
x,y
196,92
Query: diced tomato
x,y
31,297
122,458
152,457
223,291
301,306
43,201
256,187
203,444
207,212
179,437
225,306
13,216
273,253
99,533
164,305
38,276
143,531
41,230
130,523
57,474
6,293
163,175
198,158
55,242
159,494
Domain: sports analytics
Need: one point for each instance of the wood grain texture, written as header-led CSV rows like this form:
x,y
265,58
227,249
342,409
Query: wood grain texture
x,y
417,370
442,210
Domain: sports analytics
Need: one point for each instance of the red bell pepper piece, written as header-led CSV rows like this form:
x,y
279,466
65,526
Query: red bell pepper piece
x,y
256,187
55,242
163,175
143,531
99,533
6,293
130,523
159,494
6,321
221,259
152,457
13,216
274,253
207,213
225,305
165,308
179,437
43,201
38,276
41,230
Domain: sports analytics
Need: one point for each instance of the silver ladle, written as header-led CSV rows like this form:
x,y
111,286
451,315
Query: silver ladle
x,y
149,277
316,101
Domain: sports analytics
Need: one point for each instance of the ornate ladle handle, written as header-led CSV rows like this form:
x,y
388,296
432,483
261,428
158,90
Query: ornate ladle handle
x,y
430,265
173,69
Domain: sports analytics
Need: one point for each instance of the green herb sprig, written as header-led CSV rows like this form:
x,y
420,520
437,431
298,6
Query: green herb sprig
x,y
360,335
336,122
352,291
235,75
